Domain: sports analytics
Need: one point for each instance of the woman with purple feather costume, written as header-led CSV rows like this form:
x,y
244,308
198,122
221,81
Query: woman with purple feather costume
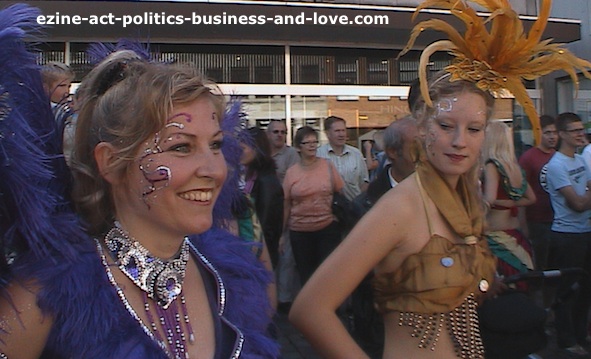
x,y
137,271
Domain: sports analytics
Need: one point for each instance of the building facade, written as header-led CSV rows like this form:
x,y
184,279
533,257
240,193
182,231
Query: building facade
x,y
299,61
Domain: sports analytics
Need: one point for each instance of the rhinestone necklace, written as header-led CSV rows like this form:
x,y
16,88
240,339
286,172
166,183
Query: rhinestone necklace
x,y
161,280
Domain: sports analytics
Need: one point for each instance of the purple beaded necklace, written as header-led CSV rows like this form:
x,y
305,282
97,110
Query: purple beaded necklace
x,y
161,282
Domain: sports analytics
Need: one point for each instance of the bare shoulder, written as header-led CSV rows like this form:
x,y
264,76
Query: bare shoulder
x,y
396,212
24,327
403,199
401,215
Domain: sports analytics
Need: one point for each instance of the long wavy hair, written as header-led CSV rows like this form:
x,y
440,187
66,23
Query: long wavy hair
x,y
498,145
125,101
263,161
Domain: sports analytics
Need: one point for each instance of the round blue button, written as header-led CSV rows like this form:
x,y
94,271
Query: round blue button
x,y
447,261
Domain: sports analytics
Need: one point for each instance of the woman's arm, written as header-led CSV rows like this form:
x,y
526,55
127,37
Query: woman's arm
x,y
313,311
265,258
491,183
370,160
528,198
337,181
24,329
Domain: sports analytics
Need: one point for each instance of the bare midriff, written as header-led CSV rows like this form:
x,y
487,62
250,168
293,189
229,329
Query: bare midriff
x,y
399,343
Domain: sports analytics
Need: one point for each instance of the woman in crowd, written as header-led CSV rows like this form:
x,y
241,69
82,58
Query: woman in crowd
x,y
258,211
505,188
430,263
423,239
262,186
308,189
139,282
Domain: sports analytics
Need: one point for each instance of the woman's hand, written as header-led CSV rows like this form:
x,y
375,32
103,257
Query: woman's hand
x,y
282,242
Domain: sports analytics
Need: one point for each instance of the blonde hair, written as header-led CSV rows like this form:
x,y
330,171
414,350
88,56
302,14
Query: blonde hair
x,y
54,71
125,101
498,145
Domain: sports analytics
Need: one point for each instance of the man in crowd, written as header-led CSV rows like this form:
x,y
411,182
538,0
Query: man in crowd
x,y
568,179
399,138
284,155
539,215
288,283
348,160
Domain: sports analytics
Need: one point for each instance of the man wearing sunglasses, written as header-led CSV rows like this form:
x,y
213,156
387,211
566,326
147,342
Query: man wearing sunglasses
x,y
284,155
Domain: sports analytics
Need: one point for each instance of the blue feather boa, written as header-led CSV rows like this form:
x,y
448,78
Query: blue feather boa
x,y
90,321
46,243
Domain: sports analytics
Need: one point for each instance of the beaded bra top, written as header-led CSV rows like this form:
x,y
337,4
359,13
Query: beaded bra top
x,y
437,279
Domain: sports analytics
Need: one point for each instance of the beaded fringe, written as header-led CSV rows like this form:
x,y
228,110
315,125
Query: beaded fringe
x,y
462,324
172,325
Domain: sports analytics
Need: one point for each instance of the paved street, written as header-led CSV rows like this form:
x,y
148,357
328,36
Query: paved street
x,y
293,344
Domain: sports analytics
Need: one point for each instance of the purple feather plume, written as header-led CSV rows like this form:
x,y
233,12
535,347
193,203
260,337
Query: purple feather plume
x,y
97,52
233,127
45,241
34,182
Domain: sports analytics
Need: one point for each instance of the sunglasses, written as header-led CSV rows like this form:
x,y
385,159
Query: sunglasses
x,y
279,132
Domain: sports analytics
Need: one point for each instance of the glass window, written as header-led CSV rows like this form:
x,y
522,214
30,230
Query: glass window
x,y
216,74
263,74
346,71
261,110
239,75
378,72
408,66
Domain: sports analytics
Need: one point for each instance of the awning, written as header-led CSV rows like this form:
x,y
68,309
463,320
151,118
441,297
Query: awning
x,y
392,35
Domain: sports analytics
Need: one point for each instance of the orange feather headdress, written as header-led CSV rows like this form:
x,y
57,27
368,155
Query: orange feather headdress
x,y
499,58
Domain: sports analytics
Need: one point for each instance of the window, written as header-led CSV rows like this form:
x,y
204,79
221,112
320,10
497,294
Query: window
x,y
378,72
263,74
346,71
239,75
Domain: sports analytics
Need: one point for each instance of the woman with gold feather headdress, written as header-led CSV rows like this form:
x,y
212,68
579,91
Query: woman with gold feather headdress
x,y
423,240
500,58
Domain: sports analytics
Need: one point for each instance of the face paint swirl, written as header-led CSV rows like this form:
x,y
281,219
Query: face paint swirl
x,y
158,175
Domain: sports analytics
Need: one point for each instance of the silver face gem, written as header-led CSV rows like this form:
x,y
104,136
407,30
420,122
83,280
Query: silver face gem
x,y
444,105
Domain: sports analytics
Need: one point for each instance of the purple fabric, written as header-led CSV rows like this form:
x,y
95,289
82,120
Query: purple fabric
x,y
92,322
45,237
31,167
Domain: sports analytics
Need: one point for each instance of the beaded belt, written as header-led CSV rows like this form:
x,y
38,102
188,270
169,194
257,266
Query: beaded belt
x,y
462,324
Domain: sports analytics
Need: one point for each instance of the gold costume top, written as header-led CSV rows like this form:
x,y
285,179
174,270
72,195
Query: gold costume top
x,y
437,286
435,280
443,273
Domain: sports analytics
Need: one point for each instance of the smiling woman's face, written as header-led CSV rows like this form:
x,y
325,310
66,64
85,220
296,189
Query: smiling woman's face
x,y
177,175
